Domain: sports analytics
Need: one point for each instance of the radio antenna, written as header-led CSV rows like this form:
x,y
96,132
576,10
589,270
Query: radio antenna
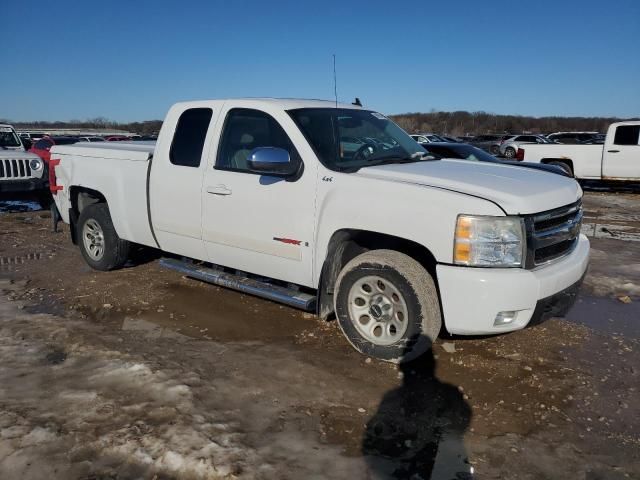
x,y
335,81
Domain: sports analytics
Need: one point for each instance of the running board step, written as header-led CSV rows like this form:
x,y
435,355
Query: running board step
x,y
287,296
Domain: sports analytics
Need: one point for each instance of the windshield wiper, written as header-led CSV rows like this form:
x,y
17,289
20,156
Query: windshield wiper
x,y
393,159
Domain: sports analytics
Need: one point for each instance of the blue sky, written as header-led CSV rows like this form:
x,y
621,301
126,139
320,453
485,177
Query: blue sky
x,y
129,60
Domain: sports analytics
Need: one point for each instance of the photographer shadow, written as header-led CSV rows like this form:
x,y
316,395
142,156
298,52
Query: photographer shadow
x,y
418,429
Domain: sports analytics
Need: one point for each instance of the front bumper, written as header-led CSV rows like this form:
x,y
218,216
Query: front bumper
x,y
27,185
472,297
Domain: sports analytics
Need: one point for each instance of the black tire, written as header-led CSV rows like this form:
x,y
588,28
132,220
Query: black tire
x,y
115,250
417,290
564,166
510,152
495,150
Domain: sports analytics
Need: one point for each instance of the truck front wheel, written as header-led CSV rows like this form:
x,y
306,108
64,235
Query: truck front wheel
x,y
99,243
387,306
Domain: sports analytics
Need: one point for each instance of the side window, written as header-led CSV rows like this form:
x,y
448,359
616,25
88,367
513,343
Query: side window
x,y
627,135
246,129
188,141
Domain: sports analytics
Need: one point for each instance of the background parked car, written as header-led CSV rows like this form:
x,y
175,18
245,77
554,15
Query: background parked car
x,y
116,138
91,139
509,146
427,138
464,151
9,139
488,143
573,137
450,139
33,136
42,146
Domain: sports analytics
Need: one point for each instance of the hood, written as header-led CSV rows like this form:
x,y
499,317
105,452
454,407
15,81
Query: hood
x,y
535,166
16,155
517,190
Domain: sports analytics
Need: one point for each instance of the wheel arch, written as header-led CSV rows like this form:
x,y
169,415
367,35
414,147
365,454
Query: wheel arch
x,y
567,161
346,244
80,198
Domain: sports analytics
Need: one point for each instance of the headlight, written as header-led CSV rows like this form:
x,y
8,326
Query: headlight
x,y
489,241
35,164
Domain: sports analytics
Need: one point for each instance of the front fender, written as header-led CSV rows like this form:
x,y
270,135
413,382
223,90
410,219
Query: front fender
x,y
421,214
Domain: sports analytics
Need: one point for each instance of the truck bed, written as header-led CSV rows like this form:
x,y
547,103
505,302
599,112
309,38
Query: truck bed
x,y
119,171
585,159
114,150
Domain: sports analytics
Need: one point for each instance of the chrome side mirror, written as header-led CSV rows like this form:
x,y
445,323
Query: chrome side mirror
x,y
271,161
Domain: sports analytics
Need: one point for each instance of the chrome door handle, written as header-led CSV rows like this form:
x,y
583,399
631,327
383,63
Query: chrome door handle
x,y
219,190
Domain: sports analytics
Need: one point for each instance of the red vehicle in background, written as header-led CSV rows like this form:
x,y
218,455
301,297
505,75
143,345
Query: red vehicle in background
x,y
43,146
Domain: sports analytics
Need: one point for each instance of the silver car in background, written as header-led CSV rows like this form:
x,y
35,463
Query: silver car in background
x,y
509,146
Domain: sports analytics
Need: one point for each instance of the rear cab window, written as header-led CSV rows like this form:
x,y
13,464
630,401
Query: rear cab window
x,y
188,139
627,135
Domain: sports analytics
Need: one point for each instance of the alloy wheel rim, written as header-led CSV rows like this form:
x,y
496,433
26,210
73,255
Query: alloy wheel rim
x,y
93,239
378,310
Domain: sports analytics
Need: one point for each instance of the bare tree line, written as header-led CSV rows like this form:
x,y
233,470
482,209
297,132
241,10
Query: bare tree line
x,y
146,127
452,123
474,123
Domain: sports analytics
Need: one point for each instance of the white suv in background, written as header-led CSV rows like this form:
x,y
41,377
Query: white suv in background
x,y
509,146
21,173
427,138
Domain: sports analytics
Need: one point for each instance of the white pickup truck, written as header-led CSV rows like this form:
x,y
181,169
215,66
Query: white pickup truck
x,y
261,195
618,159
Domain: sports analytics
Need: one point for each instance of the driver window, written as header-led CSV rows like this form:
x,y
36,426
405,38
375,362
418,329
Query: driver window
x,y
244,130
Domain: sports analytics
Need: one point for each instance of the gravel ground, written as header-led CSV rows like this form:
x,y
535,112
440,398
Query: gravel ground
x,y
141,373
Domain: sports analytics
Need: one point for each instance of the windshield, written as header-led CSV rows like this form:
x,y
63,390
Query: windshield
x,y
461,151
8,138
348,139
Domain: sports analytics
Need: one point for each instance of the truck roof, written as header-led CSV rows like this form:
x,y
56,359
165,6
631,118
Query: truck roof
x,y
284,103
629,122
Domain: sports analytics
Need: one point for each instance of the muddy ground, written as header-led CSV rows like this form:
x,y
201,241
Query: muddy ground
x,y
142,373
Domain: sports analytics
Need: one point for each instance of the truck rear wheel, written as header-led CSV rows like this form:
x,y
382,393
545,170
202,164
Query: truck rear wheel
x,y
387,306
99,243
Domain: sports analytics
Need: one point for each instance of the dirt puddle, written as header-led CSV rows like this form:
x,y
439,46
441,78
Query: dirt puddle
x,y
211,313
611,228
607,316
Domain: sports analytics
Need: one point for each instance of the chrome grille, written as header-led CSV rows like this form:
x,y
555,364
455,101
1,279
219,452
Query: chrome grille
x,y
552,234
14,168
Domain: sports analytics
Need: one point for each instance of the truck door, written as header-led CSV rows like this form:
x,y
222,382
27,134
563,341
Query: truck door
x,y
621,156
175,182
253,222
